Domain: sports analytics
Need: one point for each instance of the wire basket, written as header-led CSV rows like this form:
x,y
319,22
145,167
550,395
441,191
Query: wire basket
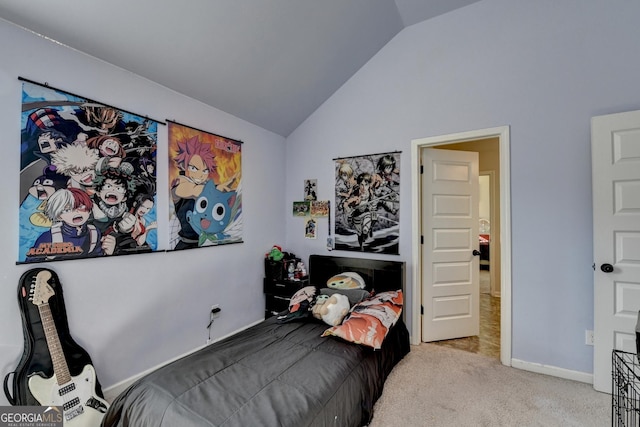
x,y
625,392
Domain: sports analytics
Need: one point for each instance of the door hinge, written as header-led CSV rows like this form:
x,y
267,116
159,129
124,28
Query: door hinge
x,y
422,310
422,240
421,169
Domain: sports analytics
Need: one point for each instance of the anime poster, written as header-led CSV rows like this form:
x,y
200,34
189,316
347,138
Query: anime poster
x,y
87,178
302,208
310,188
310,228
205,177
367,203
320,208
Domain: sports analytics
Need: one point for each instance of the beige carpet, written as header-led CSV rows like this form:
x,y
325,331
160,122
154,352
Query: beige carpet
x,y
439,386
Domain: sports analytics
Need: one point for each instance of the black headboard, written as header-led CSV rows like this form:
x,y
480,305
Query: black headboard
x,y
378,275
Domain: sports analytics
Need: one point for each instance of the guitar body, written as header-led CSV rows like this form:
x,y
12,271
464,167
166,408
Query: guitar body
x,y
72,396
36,367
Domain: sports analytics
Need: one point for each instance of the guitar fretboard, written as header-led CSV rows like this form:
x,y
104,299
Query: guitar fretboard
x,y
60,367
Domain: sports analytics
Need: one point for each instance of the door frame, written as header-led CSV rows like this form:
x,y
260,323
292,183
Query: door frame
x,y
502,133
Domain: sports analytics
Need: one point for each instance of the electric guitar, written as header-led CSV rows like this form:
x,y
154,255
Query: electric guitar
x,y
80,405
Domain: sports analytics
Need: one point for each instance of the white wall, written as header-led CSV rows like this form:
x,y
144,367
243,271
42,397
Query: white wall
x,y
134,312
544,68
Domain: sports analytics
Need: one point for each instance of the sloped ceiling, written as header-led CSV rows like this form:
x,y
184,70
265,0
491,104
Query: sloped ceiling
x,y
269,62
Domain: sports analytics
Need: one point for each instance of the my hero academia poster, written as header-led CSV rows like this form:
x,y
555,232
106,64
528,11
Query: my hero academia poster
x,y
205,181
87,178
367,193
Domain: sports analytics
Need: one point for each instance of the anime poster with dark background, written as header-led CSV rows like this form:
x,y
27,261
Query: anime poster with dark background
x,y
367,192
205,182
87,178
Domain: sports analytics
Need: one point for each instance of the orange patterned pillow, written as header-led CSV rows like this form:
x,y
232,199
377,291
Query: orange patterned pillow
x,y
370,320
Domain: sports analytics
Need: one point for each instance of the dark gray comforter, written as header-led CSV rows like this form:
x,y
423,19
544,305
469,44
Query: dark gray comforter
x,y
271,374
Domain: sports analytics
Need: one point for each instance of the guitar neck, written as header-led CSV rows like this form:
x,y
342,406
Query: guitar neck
x,y
60,367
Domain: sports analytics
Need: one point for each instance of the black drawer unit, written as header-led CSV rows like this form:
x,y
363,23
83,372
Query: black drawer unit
x,y
278,289
278,294
282,287
275,304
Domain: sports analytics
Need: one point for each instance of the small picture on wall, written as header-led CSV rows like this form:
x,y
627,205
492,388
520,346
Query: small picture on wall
x,y
310,228
301,208
329,243
310,188
320,208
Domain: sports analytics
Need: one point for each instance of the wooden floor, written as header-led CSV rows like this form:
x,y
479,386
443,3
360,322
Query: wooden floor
x,y
488,342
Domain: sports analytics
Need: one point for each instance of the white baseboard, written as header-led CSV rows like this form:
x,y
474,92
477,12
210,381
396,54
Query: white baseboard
x,y
111,392
554,371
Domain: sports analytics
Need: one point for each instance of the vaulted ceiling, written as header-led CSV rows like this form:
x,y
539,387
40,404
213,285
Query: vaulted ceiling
x,y
269,62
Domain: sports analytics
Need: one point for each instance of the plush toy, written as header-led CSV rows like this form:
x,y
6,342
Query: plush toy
x,y
346,280
276,253
317,307
300,305
335,309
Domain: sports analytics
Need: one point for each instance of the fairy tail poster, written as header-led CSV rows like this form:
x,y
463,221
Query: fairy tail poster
x,y
87,178
367,192
205,177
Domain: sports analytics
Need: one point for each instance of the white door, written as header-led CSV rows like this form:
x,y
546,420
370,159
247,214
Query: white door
x,y
615,148
449,224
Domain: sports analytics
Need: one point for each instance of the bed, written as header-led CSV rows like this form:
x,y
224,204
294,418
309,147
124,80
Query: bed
x,y
273,373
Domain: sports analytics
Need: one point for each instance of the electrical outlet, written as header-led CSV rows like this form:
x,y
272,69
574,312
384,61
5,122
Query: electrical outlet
x,y
215,311
213,314
588,340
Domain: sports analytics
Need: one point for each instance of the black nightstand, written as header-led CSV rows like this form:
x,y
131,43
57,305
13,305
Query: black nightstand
x,y
278,288
278,294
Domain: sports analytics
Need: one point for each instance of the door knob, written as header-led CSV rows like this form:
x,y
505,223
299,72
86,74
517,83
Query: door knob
x,y
476,252
607,268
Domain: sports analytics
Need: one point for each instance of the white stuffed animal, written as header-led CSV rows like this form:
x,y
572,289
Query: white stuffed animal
x,y
317,308
335,309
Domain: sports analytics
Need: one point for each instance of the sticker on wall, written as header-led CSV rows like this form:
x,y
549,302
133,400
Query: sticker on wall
x,y
310,228
302,208
367,214
330,243
87,178
320,208
310,189
205,176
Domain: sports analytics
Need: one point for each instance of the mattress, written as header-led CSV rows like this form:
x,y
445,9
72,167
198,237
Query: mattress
x,y
272,374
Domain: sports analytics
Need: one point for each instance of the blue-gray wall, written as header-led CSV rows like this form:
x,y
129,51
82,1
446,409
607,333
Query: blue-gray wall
x,y
544,68
132,313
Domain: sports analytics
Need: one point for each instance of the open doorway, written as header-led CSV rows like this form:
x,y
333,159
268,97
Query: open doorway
x,y
493,148
487,341
487,285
